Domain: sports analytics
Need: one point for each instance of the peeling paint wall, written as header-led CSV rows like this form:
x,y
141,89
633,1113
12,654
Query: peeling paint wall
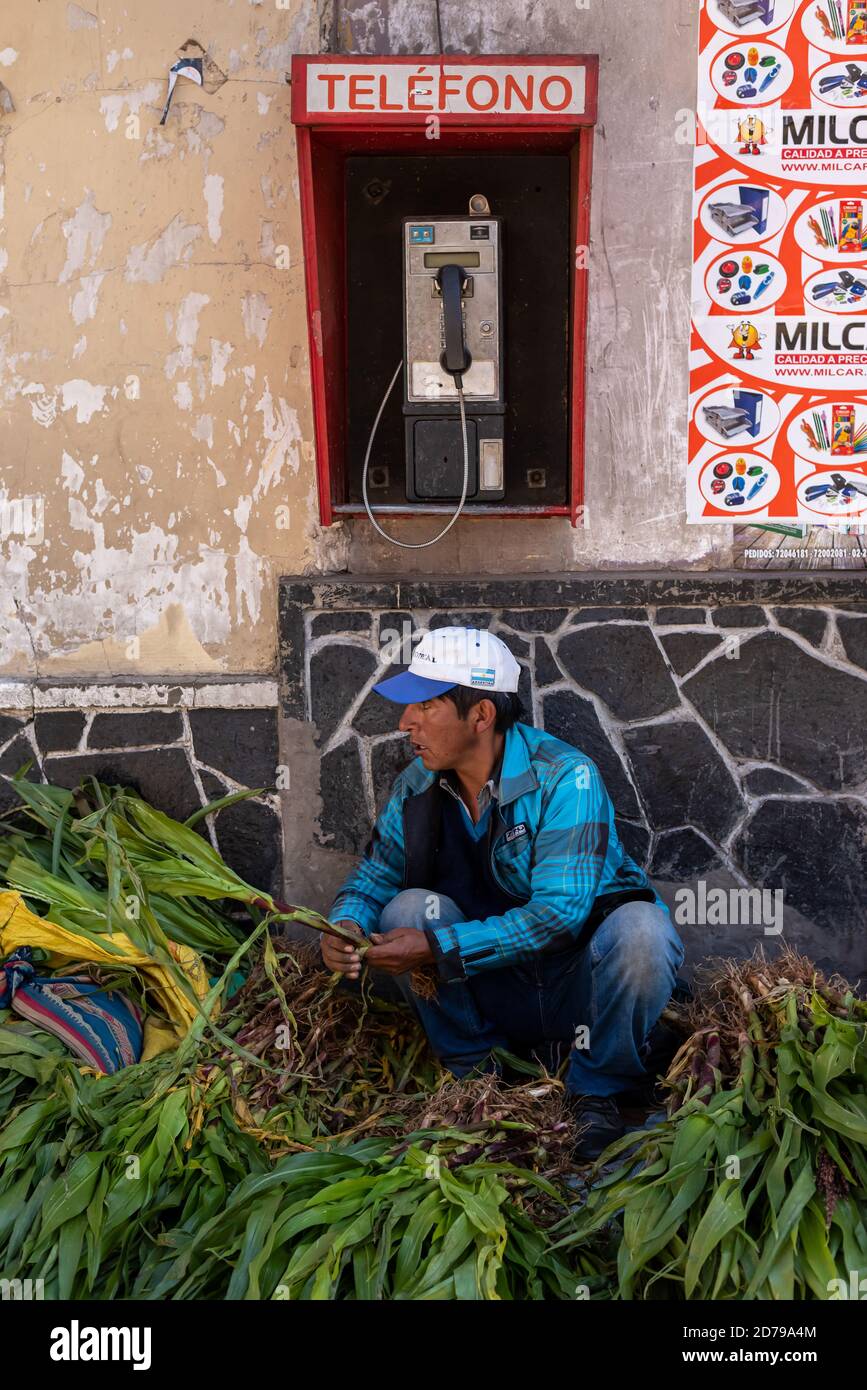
x,y
154,386
154,374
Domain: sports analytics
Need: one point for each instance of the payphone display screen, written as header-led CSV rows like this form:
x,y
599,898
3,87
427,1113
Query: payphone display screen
x,y
470,260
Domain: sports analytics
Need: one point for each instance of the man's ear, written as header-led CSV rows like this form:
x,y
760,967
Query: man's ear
x,y
488,711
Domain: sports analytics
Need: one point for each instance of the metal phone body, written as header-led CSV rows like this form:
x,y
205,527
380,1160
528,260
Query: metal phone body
x,y
434,443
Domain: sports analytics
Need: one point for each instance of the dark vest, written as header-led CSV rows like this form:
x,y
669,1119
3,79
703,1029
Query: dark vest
x,y
422,827
462,865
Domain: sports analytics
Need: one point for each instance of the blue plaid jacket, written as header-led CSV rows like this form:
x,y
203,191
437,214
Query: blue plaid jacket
x,y
553,847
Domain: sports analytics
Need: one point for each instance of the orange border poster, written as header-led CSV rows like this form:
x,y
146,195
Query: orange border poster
x,y
778,353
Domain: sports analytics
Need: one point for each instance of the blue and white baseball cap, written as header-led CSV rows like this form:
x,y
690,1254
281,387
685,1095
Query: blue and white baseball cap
x,y
451,656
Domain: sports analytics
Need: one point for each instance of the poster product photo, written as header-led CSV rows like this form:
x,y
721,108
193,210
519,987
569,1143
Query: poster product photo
x,y
779,294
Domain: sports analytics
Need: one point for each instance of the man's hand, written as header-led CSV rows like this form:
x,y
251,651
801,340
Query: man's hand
x,y
339,955
399,950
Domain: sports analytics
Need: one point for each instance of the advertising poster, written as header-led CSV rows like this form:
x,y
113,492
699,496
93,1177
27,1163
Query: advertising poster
x,y
778,363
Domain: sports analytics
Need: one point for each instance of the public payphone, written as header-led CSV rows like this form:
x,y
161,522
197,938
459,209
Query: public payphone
x,y
475,301
453,329
452,365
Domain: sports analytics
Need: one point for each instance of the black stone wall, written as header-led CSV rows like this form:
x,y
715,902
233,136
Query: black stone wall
x,y
728,717
178,759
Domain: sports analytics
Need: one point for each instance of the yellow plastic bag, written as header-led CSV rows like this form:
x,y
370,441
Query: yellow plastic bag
x,y
20,927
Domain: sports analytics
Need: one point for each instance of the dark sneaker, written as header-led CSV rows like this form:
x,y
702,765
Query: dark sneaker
x,y
599,1122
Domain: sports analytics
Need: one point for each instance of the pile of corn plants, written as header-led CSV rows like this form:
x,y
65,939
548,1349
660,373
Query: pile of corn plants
x,y
302,1143
755,1187
91,1173
92,1164
102,864
526,1125
101,860
369,1221
318,1060
109,1185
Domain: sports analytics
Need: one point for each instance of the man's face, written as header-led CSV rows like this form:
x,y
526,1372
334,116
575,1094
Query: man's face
x,y
438,734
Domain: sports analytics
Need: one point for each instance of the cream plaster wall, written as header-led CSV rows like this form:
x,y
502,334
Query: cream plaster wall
x,y
154,396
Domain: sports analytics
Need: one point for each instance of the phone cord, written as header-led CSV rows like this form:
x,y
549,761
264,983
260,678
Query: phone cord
x,y
415,545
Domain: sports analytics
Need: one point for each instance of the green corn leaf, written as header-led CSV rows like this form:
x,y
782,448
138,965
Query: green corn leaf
x,y
439,1293
844,1119
364,1273
45,803
172,1122
96,1206
25,1220
14,1038
724,1212
57,843
412,1242
775,1176
162,830
307,1258
481,1208
71,1193
727,1266
466,1281
258,1260
260,1221
460,1235
10,1204
70,1244
818,1264
351,1233
799,1195
176,879
687,1191
27,1123
214,806
837,1054
489,1263
781,1275
320,1214
35,882
693,1136
846,1220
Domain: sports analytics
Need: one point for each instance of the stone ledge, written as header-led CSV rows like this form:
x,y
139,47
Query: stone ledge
x,y
139,692
572,590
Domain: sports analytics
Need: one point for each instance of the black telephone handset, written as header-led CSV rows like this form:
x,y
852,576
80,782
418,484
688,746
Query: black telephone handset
x,y
455,359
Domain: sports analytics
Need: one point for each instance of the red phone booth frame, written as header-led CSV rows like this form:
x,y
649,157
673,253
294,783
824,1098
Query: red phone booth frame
x,y
325,139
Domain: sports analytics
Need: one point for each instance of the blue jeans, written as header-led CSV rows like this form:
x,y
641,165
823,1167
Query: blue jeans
x,y
601,1000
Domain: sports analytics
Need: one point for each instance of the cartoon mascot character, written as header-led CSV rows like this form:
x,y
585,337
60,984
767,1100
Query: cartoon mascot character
x,y
746,339
751,132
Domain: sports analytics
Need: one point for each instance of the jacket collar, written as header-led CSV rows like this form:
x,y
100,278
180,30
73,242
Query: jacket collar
x,y
516,773
517,776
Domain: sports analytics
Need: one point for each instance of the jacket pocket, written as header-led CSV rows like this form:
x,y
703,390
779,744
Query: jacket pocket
x,y
514,858
514,875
